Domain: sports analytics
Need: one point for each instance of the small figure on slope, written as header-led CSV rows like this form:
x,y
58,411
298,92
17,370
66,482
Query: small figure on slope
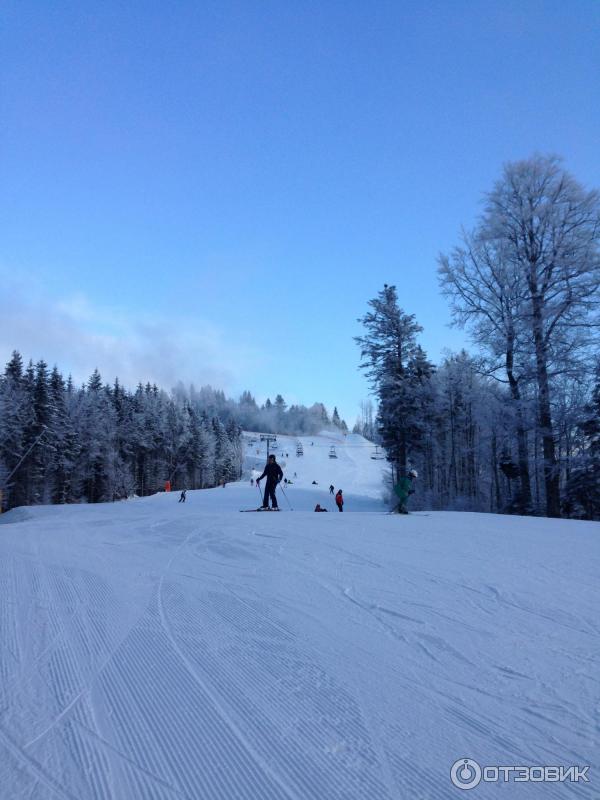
x,y
318,508
332,489
339,500
403,489
273,474
182,496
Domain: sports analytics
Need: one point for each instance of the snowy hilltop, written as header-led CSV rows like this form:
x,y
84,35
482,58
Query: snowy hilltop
x,y
314,463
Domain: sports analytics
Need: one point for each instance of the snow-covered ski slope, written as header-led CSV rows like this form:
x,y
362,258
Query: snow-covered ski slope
x,y
155,649
353,470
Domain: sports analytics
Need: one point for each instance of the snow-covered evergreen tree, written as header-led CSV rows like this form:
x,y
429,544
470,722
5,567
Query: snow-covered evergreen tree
x,y
398,371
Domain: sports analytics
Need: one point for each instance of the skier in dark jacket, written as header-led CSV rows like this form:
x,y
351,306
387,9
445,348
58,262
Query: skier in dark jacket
x,y
182,496
332,489
273,474
339,500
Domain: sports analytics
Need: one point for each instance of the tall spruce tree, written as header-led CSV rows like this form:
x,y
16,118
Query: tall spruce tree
x,y
395,366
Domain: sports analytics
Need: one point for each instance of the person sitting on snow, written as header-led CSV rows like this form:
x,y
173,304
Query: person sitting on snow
x,y
318,508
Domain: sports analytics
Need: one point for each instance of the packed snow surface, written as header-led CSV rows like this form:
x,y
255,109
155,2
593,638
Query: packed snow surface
x,y
156,649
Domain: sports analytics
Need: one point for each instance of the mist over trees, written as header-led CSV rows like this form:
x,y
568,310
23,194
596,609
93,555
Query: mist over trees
x,y
278,417
515,427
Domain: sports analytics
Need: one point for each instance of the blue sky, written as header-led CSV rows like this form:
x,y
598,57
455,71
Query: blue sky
x,y
213,190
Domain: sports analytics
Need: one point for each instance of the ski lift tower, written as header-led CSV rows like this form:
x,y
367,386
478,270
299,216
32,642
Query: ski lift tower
x,y
268,438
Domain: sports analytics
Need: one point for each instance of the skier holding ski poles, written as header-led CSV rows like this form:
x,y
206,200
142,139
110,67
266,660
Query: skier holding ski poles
x,y
273,474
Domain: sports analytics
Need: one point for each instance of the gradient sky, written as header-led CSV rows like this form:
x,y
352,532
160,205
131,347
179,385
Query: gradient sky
x,y
212,191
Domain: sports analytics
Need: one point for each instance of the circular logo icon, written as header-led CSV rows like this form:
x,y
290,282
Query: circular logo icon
x,y
465,773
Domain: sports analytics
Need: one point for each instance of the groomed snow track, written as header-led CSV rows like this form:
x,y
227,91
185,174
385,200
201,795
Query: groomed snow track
x,y
152,649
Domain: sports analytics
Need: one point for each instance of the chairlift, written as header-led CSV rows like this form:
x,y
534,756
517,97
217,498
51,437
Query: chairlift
x,y
332,453
377,456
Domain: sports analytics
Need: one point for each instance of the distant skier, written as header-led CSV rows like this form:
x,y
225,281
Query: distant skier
x,y
403,489
318,508
182,496
332,489
251,481
314,483
274,474
339,500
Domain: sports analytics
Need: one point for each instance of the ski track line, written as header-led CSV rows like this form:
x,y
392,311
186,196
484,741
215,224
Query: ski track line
x,y
418,782
63,667
552,615
227,686
89,769
377,737
441,644
9,625
119,754
62,664
293,734
343,595
136,722
289,689
199,751
215,700
35,769
53,623
84,718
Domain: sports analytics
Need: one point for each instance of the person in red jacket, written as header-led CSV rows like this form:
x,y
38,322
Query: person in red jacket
x,y
339,500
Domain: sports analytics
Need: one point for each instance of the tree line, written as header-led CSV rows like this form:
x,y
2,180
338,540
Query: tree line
x,y
62,444
515,427
65,444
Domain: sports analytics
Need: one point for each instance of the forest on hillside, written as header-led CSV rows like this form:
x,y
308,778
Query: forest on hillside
x,y
99,442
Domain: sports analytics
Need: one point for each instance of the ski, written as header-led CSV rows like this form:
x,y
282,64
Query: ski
x,y
250,510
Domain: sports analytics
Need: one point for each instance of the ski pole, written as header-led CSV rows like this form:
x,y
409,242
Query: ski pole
x,y
259,492
286,497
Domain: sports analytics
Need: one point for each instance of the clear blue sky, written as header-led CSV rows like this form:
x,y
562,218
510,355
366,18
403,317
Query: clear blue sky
x,y
213,190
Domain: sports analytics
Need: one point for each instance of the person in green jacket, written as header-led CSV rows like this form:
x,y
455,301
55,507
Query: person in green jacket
x,y
403,489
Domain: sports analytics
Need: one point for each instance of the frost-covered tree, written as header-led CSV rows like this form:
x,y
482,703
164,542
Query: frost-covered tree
x,y
486,294
542,229
582,495
398,370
